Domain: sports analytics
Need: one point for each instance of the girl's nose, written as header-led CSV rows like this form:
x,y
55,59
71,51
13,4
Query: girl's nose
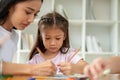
x,y
52,42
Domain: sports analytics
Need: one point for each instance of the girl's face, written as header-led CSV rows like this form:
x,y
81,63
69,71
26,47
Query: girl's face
x,y
53,39
22,14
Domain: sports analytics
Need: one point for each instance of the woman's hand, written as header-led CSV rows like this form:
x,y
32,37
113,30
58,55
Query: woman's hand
x,y
96,68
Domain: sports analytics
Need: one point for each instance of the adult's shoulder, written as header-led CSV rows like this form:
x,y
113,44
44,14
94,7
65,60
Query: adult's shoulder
x,y
3,31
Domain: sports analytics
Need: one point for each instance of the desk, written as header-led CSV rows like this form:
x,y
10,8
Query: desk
x,y
109,77
105,77
58,77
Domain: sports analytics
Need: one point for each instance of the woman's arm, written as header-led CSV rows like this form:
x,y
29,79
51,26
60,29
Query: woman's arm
x,y
100,64
45,68
114,64
16,69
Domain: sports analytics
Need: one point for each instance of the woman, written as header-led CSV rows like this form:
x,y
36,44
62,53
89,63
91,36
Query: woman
x,y
18,14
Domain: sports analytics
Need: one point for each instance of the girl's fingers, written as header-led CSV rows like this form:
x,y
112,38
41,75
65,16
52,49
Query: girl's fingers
x,y
65,68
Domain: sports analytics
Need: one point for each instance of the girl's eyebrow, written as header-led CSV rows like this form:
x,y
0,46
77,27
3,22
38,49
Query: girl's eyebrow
x,y
57,36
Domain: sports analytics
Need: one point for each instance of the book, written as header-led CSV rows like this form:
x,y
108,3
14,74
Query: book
x,y
92,44
89,43
95,44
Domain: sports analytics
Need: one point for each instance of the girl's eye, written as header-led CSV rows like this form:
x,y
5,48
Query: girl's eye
x,y
58,38
47,38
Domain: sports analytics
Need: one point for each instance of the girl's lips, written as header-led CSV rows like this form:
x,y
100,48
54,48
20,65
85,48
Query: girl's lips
x,y
53,48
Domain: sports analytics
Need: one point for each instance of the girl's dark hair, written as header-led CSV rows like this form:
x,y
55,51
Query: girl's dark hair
x,y
51,20
5,5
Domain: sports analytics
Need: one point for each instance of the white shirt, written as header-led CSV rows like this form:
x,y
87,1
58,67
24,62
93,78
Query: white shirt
x,y
8,45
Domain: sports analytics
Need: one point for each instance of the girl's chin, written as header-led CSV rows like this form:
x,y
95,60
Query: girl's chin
x,y
53,51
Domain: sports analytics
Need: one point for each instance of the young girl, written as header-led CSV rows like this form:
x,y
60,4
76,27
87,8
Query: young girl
x,y
52,43
18,14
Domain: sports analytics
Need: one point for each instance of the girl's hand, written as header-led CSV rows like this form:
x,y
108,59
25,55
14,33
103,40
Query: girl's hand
x,y
96,68
46,68
66,68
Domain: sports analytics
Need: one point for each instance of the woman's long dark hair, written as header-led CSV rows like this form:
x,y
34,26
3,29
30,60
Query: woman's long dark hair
x,y
51,20
5,5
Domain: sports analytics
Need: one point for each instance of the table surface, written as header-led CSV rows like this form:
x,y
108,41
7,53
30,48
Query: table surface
x,y
56,77
103,77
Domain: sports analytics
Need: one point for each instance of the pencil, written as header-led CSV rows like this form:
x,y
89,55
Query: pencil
x,y
40,52
76,51
105,72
